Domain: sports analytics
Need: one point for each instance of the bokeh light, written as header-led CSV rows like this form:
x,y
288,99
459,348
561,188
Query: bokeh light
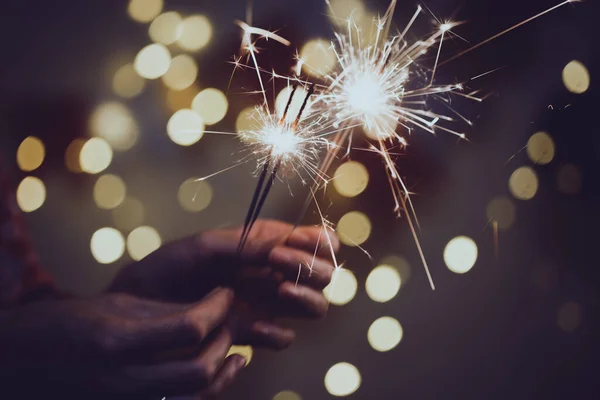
x,y
114,122
342,10
342,288
383,283
127,83
196,32
354,228
179,99
95,156
72,154
569,179
287,395
185,127
540,148
342,379
30,154
245,351
523,183
129,214
211,104
569,316
107,245
384,334
460,254
31,194
142,241
144,10
576,77
182,73
299,96
351,179
109,191
245,120
318,59
502,211
194,195
166,28
400,264
152,61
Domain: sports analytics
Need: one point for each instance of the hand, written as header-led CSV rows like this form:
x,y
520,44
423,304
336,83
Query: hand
x,y
118,345
264,276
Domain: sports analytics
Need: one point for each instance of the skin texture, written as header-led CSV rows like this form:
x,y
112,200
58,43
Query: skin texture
x,y
166,323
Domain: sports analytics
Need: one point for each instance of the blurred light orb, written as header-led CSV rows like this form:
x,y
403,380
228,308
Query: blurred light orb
x,y
31,194
194,195
354,228
30,154
502,211
460,254
114,122
282,99
196,32
144,10
540,148
246,121
342,379
287,395
245,351
129,214
109,191
211,104
179,99
383,283
569,317
127,83
576,77
95,156
185,127
400,265
569,179
182,73
384,334
351,179
523,183
166,28
318,59
72,154
143,241
341,10
342,288
152,61
107,245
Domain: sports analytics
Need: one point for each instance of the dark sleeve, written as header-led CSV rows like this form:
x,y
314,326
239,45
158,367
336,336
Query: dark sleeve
x,y
21,278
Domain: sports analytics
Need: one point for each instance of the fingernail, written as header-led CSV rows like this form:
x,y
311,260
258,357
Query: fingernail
x,y
241,363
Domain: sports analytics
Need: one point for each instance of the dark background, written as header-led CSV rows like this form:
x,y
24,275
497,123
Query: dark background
x,y
488,334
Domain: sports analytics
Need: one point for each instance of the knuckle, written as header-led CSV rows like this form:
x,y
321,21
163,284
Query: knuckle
x,y
205,372
107,338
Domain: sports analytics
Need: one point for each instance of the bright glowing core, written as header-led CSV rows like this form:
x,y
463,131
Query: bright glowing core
x,y
366,96
281,141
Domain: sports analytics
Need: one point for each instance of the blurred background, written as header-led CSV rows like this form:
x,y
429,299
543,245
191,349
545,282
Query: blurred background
x,y
95,96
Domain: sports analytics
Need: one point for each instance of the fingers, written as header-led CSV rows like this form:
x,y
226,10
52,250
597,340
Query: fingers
x,y
269,335
303,300
225,376
299,265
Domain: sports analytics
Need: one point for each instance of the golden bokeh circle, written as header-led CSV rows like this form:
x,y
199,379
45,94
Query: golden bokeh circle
x,y
95,156
31,194
152,61
383,283
195,195
30,154
287,395
282,99
166,28
523,183
576,77
72,154
460,254
342,288
502,211
384,334
351,179
342,379
340,11
185,127
143,241
114,122
107,245
245,351
318,59
211,104
354,228
540,148
127,83
196,32
144,10
109,191
182,73
246,120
